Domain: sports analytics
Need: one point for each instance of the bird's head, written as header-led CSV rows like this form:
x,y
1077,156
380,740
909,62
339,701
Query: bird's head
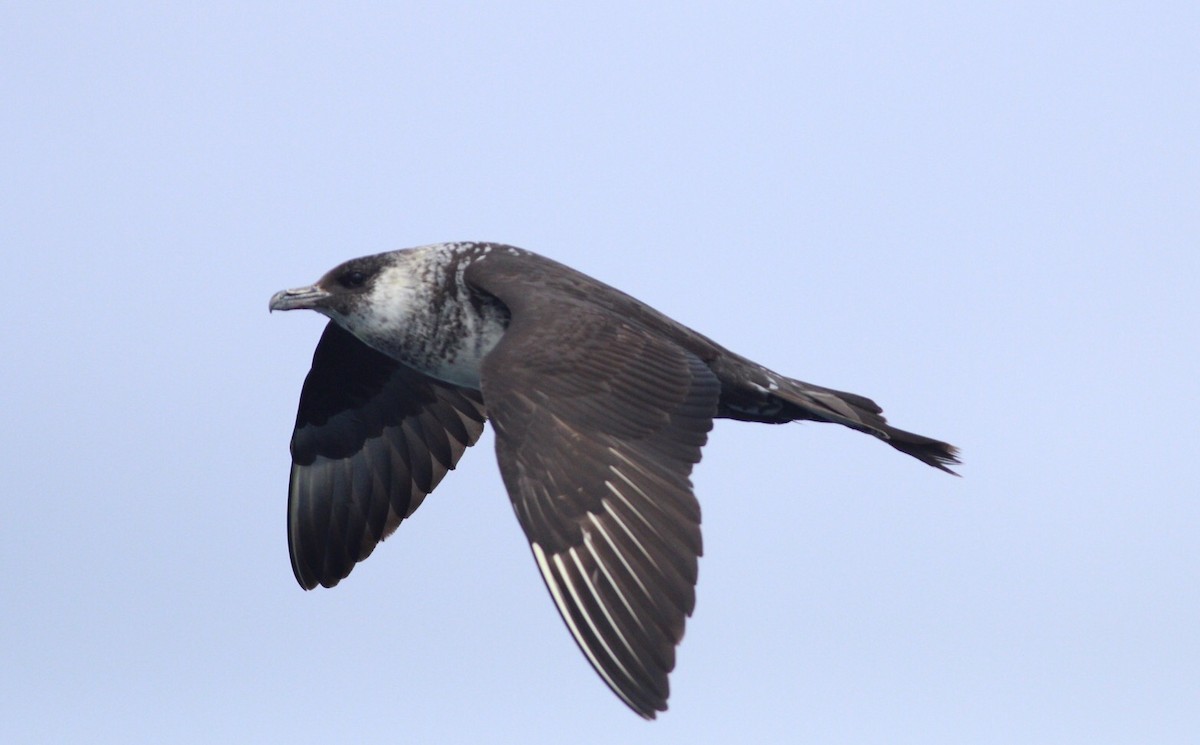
x,y
367,296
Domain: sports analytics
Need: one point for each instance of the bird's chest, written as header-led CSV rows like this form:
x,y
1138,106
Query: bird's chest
x,y
450,340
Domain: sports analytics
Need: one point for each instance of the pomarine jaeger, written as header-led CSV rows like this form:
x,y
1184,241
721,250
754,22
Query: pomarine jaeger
x,y
600,404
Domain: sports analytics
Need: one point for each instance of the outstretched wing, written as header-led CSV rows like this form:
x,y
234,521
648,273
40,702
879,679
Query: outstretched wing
x,y
372,438
598,424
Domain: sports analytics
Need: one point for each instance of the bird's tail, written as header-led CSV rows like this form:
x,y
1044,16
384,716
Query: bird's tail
x,y
807,401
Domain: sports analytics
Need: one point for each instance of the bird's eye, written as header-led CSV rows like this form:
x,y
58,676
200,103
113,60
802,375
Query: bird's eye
x,y
353,279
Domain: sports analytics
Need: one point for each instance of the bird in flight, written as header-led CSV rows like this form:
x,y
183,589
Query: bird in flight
x,y
600,406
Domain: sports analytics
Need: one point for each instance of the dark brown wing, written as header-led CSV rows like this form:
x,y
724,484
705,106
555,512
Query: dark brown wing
x,y
372,438
598,424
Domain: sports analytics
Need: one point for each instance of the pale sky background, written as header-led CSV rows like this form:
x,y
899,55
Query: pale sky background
x,y
984,215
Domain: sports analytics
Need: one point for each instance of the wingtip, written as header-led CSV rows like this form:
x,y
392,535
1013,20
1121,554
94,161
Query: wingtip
x,y
648,712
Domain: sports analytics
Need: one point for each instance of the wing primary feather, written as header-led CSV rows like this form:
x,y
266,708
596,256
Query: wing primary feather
x,y
602,603
634,653
589,542
658,631
633,537
565,611
582,607
671,543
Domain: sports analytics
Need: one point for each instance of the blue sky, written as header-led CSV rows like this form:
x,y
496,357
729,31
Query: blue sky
x,y
982,215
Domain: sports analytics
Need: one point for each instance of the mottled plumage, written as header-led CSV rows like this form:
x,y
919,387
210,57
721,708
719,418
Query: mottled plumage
x,y
600,405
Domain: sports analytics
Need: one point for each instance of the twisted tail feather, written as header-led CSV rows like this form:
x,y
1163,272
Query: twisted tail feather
x,y
808,401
